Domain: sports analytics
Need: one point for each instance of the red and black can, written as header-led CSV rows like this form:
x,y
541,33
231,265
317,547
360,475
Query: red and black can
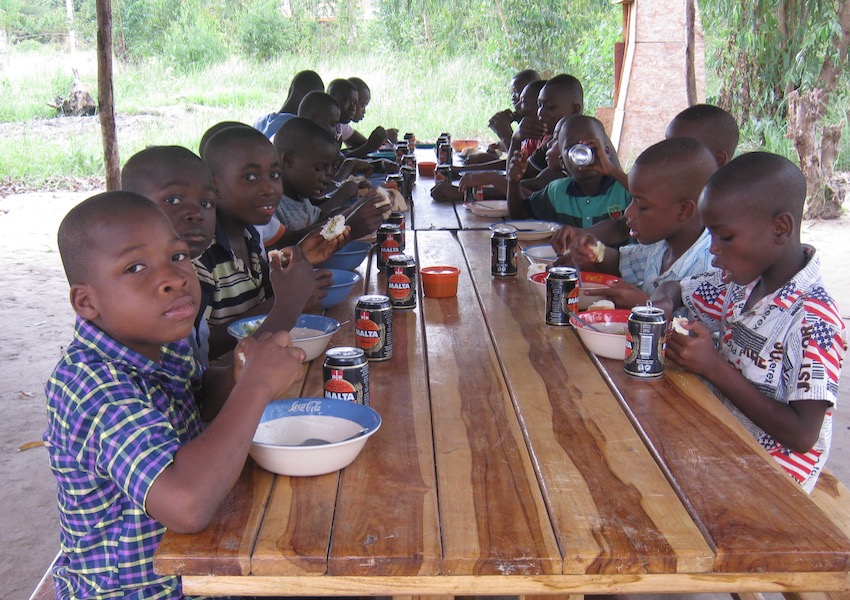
x,y
400,150
388,238
561,295
411,141
401,281
397,218
443,174
503,250
373,327
645,341
444,154
408,160
346,375
474,193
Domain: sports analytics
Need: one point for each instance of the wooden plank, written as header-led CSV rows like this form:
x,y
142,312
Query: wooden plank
x,y
223,548
755,517
612,508
386,519
493,516
427,212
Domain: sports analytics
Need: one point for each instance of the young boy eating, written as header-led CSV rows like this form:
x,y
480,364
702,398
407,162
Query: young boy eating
x,y
781,338
665,183
124,431
711,125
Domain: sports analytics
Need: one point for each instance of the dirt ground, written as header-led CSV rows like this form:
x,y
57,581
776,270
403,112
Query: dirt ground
x,y
38,323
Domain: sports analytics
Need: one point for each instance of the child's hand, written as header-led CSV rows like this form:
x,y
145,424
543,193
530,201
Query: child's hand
x,y
323,279
530,128
387,166
582,249
292,281
696,352
622,294
501,124
601,163
317,249
378,137
517,164
446,192
367,215
347,190
392,136
477,178
359,167
269,359
562,239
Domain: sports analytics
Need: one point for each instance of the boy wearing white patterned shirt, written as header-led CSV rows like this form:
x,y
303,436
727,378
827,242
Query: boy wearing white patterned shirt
x,y
665,183
781,338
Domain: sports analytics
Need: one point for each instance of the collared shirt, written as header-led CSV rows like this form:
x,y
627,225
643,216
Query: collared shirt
x,y
640,264
563,201
230,286
269,124
115,421
790,346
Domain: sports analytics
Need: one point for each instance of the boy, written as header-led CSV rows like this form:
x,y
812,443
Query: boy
x,y
302,84
348,98
781,338
501,122
665,183
711,125
588,195
308,159
124,431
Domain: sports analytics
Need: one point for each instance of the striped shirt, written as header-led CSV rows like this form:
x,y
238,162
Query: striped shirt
x,y
115,421
640,264
230,287
563,201
790,346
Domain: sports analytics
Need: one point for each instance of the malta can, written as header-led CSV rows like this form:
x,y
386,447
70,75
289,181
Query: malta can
x,y
443,174
401,149
474,193
388,238
397,218
401,281
373,327
444,154
561,295
346,373
411,141
503,250
645,342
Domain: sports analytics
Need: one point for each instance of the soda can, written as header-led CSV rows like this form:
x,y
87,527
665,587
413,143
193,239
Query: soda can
x,y
346,375
388,239
442,139
474,194
581,155
411,141
408,174
397,217
401,281
444,156
561,295
373,327
446,136
503,250
443,174
645,342
400,150
408,160
394,180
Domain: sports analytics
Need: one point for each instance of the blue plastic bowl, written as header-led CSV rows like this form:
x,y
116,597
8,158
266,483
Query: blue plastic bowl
x,y
343,281
348,257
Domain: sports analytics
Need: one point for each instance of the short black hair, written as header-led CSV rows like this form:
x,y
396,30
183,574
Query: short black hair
x,y
568,84
316,101
761,184
359,84
219,144
77,245
338,87
302,83
578,120
209,133
536,85
300,134
144,166
686,162
717,128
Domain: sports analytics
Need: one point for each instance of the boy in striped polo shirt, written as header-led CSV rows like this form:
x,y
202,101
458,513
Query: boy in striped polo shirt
x,y
780,337
125,402
665,183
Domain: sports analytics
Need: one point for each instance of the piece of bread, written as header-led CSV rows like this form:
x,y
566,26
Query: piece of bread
x,y
279,256
599,252
335,227
602,305
677,325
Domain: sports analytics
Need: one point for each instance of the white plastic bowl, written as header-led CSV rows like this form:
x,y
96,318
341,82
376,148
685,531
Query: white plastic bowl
x,y
286,424
609,345
311,333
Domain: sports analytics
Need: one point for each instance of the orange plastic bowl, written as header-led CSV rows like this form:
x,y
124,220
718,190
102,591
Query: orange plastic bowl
x,y
461,145
439,282
426,169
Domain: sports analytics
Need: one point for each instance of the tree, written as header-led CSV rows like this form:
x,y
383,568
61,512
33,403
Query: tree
x,y
785,58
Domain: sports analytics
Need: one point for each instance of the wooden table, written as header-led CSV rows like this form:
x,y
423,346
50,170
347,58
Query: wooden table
x,y
511,462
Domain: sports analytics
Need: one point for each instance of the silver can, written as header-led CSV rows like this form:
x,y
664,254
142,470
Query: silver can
x,y
645,342
581,155
561,295
504,242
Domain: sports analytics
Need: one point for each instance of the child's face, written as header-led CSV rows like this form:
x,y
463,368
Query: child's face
x,y
553,105
654,213
249,184
308,172
553,153
527,105
186,194
347,106
569,136
329,120
743,245
142,288
363,99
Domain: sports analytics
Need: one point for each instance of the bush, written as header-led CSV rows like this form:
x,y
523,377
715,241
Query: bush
x,y
194,42
264,32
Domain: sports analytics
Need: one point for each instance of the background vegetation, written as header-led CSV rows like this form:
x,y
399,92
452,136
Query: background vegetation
x,y
432,66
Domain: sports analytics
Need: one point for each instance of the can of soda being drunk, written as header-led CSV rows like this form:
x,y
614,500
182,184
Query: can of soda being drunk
x,y
346,375
388,239
373,327
581,155
503,250
645,342
561,295
401,281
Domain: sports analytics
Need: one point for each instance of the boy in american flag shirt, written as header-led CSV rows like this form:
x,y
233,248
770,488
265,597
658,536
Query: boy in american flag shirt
x,y
780,337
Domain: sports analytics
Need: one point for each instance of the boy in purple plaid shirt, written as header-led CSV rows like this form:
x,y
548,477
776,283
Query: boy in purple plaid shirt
x,y
126,400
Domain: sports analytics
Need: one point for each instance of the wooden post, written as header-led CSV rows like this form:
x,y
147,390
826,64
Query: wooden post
x,y
105,100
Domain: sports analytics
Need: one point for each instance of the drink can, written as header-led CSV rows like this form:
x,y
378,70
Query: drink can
x,y
397,218
411,141
444,156
443,174
408,160
408,174
446,136
400,150
346,375
561,295
645,342
581,155
474,194
401,281
503,250
395,180
442,139
388,239
373,327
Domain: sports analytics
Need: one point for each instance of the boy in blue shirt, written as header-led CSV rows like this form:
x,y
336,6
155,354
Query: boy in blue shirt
x,y
124,403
